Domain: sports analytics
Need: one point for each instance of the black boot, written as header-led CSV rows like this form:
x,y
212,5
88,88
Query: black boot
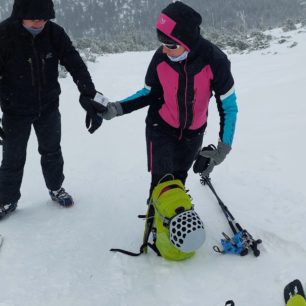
x,y
62,197
6,209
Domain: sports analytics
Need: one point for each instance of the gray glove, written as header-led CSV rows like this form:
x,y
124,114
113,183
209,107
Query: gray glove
x,y
113,109
215,156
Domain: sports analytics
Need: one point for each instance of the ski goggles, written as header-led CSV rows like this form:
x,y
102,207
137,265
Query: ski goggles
x,y
171,46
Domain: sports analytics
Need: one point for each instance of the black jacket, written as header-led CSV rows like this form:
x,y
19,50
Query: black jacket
x,y
179,92
29,68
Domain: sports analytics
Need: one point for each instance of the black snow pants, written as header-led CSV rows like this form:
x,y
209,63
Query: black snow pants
x,y
17,131
170,154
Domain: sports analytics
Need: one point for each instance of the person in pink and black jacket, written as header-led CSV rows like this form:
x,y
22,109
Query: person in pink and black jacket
x,y
183,75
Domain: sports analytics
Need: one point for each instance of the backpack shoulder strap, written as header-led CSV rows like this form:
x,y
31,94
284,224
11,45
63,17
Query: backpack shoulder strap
x,y
148,226
152,246
148,229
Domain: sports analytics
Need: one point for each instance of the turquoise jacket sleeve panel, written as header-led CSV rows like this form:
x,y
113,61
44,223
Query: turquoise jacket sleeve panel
x,y
140,93
229,110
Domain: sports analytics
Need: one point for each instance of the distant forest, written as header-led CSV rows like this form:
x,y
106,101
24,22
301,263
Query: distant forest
x,y
129,24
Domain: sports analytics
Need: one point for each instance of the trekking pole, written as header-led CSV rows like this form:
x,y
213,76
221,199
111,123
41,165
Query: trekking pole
x,y
231,220
242,240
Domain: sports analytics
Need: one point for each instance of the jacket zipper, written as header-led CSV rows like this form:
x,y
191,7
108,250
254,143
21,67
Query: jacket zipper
x,y
38,79
185,99
43,71
193,105
32,71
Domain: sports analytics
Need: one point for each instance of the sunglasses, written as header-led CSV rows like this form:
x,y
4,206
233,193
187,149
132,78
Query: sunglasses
x,y
171,46
38,20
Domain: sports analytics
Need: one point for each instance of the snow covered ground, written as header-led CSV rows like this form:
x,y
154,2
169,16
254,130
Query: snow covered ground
x,y
53,256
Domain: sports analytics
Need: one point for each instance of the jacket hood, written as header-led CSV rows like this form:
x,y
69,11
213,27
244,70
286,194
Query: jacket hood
x,y
180,23
33,9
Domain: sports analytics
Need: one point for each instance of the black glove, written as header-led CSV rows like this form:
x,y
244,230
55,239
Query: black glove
x,y
202,163
209,157
93,123
94,103
2,135
93,106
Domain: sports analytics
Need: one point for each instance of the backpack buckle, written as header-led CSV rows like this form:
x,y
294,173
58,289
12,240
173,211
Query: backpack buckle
x,y
166,222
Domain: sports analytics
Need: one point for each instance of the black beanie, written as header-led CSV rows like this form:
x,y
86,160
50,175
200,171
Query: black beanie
x,y
33,9
181,23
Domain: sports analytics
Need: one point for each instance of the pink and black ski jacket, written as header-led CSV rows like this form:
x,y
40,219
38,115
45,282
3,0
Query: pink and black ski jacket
x,y
179,92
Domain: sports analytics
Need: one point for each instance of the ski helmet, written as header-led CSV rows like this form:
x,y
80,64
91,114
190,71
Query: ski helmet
x,y
187,231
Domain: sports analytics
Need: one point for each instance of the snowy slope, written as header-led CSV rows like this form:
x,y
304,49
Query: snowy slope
x,y
53,256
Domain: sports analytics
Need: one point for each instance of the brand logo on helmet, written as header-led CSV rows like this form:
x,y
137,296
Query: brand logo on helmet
x,y
163,20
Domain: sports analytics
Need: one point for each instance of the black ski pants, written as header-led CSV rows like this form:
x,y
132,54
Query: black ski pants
x,y
170,154
17,132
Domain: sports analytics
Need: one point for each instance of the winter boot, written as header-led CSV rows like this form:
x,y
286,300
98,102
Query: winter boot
x,y
6,209
61,197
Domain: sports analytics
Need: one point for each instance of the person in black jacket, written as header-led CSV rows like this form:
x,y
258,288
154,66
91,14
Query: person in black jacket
x,y
181,78
31,48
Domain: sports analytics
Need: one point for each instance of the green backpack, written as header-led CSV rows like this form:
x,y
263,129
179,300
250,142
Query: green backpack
x,y
176,229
